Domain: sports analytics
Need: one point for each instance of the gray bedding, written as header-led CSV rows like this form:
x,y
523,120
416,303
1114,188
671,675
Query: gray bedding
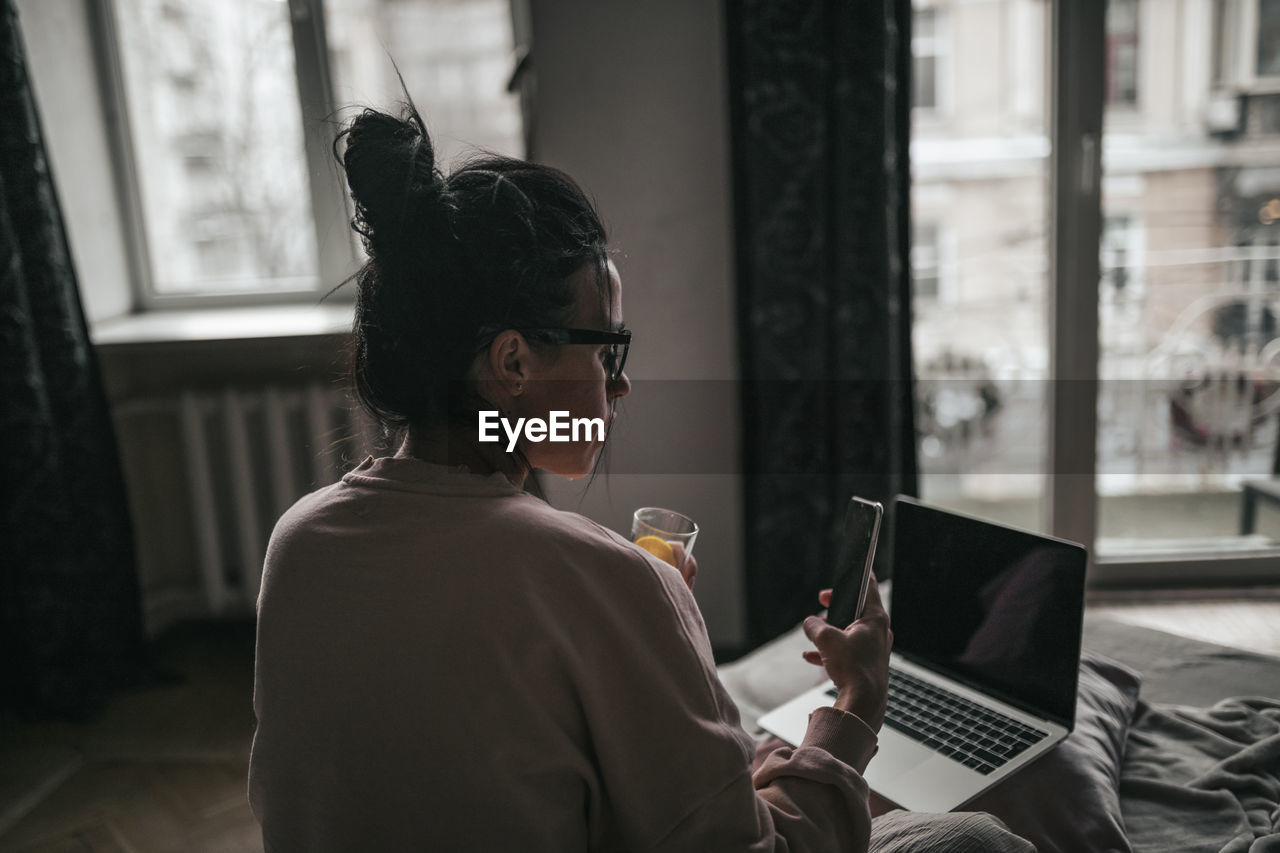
x,y
1203,778
1201,770
1179,671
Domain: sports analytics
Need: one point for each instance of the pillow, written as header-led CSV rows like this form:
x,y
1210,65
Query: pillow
x,y
955,832
1068,799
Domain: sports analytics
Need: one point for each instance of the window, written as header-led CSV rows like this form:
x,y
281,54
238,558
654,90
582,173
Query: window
x,y
980,185
455,57
926,272
1121,259
1268,38
1224,12
229,109
1122,53
927,58
1172,332
1188,284
217,135
1245,45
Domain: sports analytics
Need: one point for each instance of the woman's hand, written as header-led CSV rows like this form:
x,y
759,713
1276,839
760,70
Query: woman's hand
x,y
690,565
857,658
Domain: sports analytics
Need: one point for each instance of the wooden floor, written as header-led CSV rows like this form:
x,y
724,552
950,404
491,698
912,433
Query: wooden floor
x,y
164,769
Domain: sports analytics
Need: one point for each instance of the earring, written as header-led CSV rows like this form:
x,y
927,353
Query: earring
x,y
519,387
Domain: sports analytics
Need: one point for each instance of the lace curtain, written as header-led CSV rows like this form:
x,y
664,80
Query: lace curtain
x,y
70,623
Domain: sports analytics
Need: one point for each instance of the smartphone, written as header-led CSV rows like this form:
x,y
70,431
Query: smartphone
x,y
852,576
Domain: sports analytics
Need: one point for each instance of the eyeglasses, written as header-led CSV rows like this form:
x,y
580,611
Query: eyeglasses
x,y
615,357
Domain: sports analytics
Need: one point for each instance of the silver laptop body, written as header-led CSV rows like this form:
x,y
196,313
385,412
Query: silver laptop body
x,y
987,624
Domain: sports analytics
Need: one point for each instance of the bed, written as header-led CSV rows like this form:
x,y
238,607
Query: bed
x,y
1176,747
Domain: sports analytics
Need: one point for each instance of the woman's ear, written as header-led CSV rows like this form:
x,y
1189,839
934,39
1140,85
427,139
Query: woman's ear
x,y
510,361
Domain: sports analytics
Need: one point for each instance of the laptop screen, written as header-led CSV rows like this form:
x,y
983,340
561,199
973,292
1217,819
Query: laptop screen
x,y
993,607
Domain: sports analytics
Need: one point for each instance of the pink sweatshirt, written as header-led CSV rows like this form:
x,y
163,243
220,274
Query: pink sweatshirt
x,y
447,663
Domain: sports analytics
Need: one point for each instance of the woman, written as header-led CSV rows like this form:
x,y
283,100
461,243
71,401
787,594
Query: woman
x,y
446,662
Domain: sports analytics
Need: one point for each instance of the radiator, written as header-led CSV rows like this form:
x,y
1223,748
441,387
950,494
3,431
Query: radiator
x,y
248,453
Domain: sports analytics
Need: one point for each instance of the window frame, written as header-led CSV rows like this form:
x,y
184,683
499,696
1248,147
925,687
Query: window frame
x,y
337,257
1077,106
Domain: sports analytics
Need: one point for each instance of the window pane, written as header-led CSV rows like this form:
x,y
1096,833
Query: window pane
x,y
925,82
456,57
925,260
213,110
1122,52
1268,38
1189,401
924,25
925,43
979,199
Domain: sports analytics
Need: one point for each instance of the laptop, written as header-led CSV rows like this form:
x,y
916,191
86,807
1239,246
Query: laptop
x,y
987,623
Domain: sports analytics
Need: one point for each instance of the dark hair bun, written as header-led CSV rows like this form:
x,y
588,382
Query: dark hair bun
x,y
451,260
391,169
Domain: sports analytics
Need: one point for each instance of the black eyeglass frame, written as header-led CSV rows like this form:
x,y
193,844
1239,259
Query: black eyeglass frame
x,y
561,337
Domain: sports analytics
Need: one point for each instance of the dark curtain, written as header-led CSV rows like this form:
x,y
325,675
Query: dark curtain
x,y
820,111
70,623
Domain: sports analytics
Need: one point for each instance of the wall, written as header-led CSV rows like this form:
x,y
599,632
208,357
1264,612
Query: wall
x,y
631,101
60,60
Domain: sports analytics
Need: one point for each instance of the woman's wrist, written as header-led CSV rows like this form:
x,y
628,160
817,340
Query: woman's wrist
x,y
862,702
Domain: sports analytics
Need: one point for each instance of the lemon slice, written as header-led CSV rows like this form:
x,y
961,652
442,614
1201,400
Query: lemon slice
x,y
658,548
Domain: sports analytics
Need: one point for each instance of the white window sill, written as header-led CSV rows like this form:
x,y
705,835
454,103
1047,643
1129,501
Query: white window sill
x,y
222,324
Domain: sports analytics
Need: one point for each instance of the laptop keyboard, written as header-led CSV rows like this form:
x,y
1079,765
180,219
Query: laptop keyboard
x,y
953,726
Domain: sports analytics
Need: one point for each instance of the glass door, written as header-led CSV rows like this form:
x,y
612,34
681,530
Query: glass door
x,y
980,171
1188,437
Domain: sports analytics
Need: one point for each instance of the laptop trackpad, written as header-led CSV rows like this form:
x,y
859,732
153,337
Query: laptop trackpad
x,y
896,757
